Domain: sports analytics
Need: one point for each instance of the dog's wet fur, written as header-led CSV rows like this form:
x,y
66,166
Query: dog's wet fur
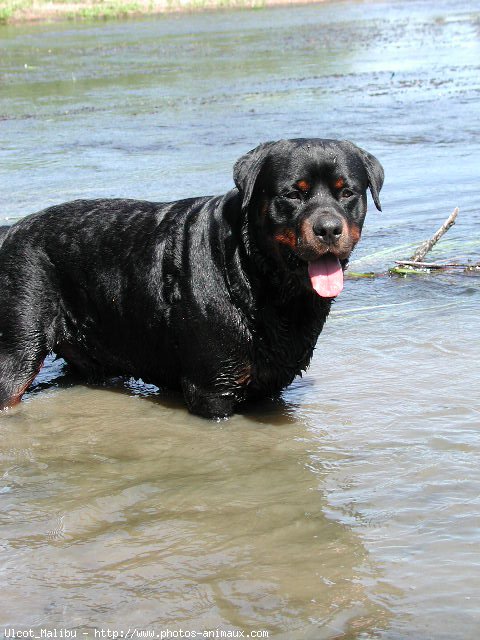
x,y
210,295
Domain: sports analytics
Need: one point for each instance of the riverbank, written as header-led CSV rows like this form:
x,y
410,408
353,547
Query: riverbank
x,y
19,11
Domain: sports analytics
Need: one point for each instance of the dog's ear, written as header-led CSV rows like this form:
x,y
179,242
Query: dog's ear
x,y
247,170
375,173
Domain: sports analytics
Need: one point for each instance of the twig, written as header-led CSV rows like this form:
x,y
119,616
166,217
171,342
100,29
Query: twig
x,y
425,247
432,265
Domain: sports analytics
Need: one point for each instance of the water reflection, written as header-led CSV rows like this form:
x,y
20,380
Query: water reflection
x,y
122,508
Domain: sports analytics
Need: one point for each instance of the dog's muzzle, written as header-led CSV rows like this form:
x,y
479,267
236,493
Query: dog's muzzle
x,y
324,240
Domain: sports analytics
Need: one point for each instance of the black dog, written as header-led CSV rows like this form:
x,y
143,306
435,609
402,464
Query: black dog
x,y
223,297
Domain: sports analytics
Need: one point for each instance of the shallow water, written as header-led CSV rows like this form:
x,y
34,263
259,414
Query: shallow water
x,y
351,508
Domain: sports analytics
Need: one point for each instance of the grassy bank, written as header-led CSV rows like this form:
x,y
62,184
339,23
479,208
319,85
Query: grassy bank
x,y
16,11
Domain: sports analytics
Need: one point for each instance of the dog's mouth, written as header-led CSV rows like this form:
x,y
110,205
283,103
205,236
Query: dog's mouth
x,y
320,264
326,275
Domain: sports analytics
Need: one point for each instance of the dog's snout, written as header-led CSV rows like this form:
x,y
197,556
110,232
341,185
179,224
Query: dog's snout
x,y
328,228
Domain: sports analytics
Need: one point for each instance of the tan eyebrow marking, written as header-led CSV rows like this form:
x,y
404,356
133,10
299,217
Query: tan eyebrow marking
x,y
303,185
339,184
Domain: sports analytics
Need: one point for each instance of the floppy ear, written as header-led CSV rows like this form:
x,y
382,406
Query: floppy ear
x,y
247,169
375,175
374,172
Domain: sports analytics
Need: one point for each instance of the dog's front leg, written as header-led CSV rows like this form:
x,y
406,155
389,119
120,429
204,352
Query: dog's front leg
x,y
209,403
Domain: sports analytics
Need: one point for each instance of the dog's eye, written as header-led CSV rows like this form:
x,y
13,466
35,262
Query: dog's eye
x,y
294,195
346,193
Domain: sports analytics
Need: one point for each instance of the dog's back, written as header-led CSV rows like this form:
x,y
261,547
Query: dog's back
x,y
3,234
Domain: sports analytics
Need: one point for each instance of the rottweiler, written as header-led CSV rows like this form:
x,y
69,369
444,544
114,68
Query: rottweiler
x,y
223,297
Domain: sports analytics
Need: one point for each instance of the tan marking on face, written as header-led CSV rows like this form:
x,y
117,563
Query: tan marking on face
x,y
349,238
339,184
308,237
303,185
287,236
354,233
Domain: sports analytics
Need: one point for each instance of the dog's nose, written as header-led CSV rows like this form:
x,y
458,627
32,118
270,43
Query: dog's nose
x,y
328,229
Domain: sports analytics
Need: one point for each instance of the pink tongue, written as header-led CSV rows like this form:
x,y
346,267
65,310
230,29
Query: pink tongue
x,y
326,276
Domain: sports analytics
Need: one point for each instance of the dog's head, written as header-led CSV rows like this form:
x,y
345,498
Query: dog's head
x,y
307,200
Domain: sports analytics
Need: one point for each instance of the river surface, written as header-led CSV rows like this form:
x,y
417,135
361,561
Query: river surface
x,y
351,509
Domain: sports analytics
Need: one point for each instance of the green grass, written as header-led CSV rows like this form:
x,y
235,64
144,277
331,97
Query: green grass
x,y
105,10
21,10
8,8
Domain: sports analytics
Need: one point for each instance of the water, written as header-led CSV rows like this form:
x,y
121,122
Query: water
x,y
351,508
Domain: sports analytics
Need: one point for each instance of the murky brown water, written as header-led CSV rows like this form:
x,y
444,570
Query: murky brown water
x,y
351,508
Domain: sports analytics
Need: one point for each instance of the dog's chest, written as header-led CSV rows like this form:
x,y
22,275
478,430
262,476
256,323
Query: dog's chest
x,y
283,344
